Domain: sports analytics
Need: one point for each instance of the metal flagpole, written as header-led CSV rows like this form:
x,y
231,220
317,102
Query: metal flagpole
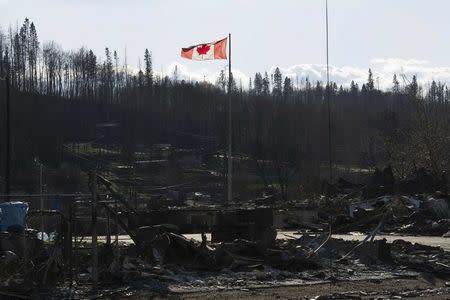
x,y
8,134
328,98
230,161
329,136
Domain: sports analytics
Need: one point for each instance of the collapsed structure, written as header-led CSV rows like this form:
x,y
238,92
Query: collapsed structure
x,y
242,249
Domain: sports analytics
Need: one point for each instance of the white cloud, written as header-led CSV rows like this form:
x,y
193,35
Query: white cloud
x,y
383,70
423,69
184,73
318,72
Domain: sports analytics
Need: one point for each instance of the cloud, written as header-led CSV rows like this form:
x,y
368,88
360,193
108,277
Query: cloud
x,y
422,68
318,72
383,70
202,74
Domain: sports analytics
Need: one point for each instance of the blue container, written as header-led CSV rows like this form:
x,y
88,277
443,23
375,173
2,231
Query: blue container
x,y
12,213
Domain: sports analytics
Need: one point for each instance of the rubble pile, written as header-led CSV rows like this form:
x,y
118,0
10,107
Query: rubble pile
x,y
417,204
165,261
160,260
162,249
185,264
25,263
422,258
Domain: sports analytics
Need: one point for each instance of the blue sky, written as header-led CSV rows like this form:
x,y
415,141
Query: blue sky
x,y
401,36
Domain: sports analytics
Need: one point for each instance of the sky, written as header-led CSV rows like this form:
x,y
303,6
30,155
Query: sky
x,y
402,36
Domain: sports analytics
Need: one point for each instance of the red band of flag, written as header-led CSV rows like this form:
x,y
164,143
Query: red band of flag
x,y
208,51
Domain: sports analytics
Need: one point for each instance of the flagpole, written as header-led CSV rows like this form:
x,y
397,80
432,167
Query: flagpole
x,y
230,161
328,99
329,134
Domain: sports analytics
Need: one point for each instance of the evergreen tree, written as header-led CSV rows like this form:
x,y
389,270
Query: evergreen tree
x,y
258,84
140,76
307,84
233,84
433,91
116,67
16,62
363,89
108,75
23,52
266,84
370,84
395,85
2,49
413,87
148,68
91,73
221,81
288,90
277,83
354,89
33,51
6,65
175,74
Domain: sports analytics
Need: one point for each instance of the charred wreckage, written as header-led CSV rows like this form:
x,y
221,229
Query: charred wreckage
x,y
174,249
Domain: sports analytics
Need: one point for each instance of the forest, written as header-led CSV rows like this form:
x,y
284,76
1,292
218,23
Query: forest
x,y
63,96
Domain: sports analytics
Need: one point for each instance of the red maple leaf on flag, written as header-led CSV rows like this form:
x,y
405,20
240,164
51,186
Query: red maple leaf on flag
x,y
203,49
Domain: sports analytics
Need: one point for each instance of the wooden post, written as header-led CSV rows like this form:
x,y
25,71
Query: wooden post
x,y
108,229
117,221
41,201
75,237
93,186
70,242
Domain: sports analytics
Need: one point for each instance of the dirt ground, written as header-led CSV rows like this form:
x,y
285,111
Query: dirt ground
x,y
424,287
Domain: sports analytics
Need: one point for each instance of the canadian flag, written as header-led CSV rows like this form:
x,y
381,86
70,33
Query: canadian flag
x,y
214,50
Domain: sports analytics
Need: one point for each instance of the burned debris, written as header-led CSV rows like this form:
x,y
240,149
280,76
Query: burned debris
x,y
417,204
231,248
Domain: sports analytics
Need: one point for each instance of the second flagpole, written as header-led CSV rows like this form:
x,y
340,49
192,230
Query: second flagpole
x,y
230,159
328,98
